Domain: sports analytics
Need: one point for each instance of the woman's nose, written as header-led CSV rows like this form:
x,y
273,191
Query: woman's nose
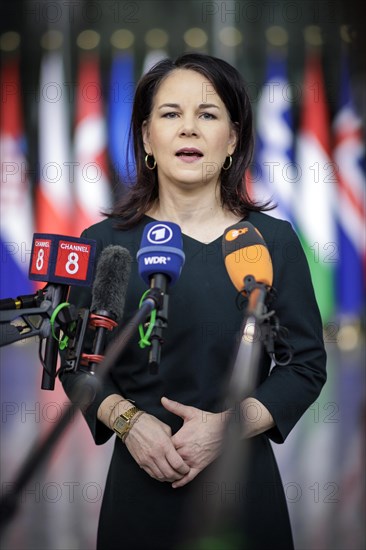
x,y
189,127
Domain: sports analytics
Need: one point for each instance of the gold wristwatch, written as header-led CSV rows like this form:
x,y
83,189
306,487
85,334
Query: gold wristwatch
x,y
122,424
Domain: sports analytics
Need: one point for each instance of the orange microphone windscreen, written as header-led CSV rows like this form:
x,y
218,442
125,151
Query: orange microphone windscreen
x,y
245,253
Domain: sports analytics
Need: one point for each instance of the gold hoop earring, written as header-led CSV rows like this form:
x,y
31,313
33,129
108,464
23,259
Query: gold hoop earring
x,y
230,163
147,162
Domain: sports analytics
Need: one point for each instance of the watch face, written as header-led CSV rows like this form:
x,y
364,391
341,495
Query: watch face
x,y
120,425
123,421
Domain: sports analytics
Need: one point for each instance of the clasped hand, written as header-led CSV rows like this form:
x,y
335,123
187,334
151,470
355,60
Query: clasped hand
x,y
180,457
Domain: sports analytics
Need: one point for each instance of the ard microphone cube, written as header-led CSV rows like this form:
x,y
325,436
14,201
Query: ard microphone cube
x,y
161,251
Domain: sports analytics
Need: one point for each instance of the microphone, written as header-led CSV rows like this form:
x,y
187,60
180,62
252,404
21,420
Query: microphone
x,y
106,312
249,267
246,253
108,298
22,302
248,263
60,261
160,261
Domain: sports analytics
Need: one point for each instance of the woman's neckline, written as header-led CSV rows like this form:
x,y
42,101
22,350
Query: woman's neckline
x,y
193,238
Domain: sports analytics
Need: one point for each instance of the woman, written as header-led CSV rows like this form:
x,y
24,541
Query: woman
x,y
192,131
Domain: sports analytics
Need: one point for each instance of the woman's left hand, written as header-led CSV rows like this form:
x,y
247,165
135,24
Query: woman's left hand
x,y
199,440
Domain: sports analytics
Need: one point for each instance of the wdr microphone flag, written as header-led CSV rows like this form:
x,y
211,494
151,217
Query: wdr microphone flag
x,y
161,251
349,156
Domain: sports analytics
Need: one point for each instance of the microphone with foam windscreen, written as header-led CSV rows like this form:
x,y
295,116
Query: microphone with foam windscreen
x,y
249,267
107,307
108,295
160,261
246,253
248,263
161,257
111,280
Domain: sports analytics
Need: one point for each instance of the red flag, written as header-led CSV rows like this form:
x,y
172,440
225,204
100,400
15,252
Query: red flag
x,y
16,219
93,194
315,191
54,205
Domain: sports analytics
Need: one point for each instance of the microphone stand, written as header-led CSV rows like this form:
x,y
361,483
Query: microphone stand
x,y
158,281
216,518
255,333
35,320
31,327
58,295
83,396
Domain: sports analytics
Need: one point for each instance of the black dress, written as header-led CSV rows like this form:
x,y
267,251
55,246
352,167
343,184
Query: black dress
x,y
139,512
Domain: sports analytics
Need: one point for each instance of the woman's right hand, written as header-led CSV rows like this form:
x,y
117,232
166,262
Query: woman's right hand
x,y
149,442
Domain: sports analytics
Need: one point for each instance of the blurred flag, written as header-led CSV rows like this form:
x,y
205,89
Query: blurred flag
x,y
275,175
151,58
315,201
93,193
16,219
349,154
122,87
54,206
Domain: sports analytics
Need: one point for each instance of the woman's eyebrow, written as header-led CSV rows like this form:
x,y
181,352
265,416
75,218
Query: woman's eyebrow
x,y
200,106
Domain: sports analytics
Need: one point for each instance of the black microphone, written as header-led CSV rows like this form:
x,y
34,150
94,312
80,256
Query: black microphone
x,y
28,308
22,302
108,296
160,261
57,294
106,312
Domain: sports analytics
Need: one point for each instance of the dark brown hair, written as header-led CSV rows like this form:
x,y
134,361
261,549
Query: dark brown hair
x,y
230,86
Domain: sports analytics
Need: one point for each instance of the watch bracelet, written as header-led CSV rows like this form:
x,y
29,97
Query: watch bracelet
x,y
113,409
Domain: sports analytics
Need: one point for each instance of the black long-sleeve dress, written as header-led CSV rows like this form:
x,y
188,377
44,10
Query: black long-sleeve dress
x,y
200,342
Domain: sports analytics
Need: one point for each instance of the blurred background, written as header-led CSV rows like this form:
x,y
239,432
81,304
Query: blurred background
x,y
69,70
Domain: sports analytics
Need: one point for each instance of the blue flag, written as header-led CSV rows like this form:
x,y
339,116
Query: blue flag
x,y
16,217
275,175
349,156
122,87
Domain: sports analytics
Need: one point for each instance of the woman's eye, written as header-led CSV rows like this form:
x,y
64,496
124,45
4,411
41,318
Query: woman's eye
x,y
208,116
170,115
204,116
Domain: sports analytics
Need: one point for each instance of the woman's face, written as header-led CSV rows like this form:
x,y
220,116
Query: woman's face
x,y
189,131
